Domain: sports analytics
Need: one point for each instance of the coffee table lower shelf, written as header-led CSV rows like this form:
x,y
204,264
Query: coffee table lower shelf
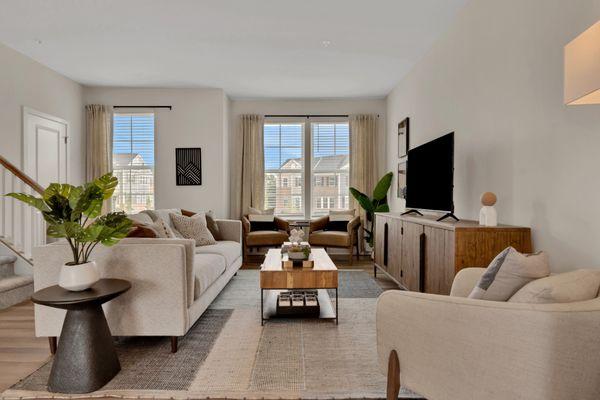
x,y
268,304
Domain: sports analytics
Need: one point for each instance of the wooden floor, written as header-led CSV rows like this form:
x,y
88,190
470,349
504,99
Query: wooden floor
x,y
21,352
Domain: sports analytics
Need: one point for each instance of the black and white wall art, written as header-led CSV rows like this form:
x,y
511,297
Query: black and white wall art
x,y
189,166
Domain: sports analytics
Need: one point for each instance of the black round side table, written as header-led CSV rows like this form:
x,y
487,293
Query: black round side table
x,y
85,359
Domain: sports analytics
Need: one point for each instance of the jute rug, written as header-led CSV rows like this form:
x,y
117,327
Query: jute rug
x,y
227,354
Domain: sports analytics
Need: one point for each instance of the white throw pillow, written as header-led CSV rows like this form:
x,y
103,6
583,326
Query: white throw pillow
x,y
567,287
164,215
256,215
509,272
193,228
161,230
343,215
140,218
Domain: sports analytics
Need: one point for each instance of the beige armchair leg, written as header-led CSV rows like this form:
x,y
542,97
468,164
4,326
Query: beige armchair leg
x,y
393,377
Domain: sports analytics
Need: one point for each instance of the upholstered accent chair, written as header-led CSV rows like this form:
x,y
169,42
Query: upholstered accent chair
x,y
256,239
454,347
319,236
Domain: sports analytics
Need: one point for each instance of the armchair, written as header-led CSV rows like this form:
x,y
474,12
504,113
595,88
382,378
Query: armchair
x,y
451,347
318,236
256,239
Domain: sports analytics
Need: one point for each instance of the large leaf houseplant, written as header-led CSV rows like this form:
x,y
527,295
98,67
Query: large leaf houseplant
x,y
378,203
74,213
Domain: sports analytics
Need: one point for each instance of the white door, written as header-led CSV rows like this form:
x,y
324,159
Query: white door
x,y
45,147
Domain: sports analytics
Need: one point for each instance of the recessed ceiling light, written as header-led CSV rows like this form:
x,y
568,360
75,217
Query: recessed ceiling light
x,y
38,41
326,43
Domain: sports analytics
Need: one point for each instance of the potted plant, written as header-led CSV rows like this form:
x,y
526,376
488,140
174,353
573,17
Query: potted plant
x,y
73,213
377,204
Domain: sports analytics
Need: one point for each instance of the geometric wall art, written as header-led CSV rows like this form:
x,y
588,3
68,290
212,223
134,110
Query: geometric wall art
x,y
188,166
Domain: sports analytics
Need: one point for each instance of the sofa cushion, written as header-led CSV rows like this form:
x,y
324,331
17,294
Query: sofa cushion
x,y
228,249
266,238
509,272
568,287
329,238
207,269
336,226
164,215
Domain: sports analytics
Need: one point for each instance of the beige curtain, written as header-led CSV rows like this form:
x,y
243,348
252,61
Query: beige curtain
x,y
98,143
99,140
250,183
363,165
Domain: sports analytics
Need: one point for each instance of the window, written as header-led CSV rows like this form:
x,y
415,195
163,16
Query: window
x,y
133,161
284,161
286,165
330,142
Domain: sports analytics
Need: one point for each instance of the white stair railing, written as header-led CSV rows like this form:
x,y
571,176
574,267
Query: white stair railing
x,y
22,227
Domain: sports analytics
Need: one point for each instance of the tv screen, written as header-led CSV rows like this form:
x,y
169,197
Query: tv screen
x,y
430,175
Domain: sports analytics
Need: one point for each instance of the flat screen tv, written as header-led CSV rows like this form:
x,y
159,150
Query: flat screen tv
x,y
430,175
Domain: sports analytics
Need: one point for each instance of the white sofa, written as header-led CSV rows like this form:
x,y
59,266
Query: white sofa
x,y
452,347
173,282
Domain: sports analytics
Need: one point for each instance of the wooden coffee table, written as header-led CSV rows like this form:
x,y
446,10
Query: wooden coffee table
x,y
273,279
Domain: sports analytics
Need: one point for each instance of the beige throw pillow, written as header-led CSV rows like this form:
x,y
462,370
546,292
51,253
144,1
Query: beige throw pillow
x,y
193,228
509,272
568,287
343,215
256,215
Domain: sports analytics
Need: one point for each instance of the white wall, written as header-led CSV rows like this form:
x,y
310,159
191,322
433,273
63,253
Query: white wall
x,y
24,82
496,79
307,107
196,120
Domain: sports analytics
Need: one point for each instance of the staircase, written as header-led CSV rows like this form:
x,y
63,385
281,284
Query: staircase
x,y
21,229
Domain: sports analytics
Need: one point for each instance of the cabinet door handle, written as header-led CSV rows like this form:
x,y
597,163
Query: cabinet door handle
x,y
385,244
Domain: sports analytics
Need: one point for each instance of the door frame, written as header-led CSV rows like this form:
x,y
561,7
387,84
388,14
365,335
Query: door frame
x,y
25,142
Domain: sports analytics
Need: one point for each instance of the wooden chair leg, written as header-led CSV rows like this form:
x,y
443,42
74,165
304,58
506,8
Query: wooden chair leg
x,y
173,344
52,343
393,377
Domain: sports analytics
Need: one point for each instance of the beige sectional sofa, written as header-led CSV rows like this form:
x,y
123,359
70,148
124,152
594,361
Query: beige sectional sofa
x,y
173,282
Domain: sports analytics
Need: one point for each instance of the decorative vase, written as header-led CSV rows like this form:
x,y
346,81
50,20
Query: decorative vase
x,y
78,277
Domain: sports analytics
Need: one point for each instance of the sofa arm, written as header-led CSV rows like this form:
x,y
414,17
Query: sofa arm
x,y
451,347
282,224
353,224
245,225
156,304
230,229
318,224
465,281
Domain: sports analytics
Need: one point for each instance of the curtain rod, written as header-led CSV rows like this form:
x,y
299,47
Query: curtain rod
x,y
169,107
309,116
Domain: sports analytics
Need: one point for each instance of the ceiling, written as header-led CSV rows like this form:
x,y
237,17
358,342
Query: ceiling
x,y
249,48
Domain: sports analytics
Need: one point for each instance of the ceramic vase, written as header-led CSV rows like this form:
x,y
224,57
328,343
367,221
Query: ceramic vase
x,y
78,277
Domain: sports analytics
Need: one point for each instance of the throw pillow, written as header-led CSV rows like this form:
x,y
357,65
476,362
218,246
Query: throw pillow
x,y
140,218
343,215
211,223
193,228
262,220
142,231
164,215
568,287
509,272
338,226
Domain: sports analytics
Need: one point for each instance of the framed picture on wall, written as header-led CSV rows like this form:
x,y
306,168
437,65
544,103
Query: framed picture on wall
x,y
188,166
403,134
401,179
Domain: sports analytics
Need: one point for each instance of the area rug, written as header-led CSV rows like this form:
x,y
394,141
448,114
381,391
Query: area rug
x,y
228,354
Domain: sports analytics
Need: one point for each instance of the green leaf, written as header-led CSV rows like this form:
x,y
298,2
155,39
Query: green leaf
x,y
31,200
90,201
107,184
383,186
71,230
58,190
362,199
383,208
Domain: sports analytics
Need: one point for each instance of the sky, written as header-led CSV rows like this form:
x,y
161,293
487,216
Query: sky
x,y
284,141
140,128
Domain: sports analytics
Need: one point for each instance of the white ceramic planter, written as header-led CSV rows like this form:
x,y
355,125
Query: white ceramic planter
x,y
78,277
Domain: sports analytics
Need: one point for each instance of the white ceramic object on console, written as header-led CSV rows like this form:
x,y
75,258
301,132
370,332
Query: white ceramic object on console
x,y
296,235
488,215
78,277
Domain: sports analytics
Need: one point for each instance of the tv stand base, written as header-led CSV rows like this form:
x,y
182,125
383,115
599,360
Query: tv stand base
x,y
447,215
413,211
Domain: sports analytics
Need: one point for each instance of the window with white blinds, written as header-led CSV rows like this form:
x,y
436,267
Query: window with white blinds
x,y
133,161
284,168
330,166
